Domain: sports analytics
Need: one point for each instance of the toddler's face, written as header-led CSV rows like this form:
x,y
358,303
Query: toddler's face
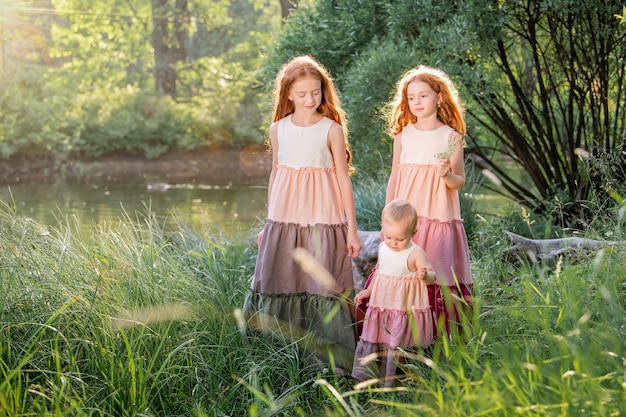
x,y
396,236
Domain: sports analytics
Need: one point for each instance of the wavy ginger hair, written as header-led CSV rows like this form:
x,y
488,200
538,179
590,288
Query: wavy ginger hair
x,y
297,69
450,112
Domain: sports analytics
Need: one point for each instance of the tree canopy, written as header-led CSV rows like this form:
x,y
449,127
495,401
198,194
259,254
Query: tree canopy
x,y
543,81
144,76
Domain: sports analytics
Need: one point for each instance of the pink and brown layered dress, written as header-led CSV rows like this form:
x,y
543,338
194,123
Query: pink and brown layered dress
x,y
305,211
441,233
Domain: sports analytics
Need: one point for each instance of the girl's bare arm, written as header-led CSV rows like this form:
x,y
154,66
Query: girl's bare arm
x,y
338,149
393,177
274,142
418,261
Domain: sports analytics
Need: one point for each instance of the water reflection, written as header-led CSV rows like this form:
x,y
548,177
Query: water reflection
x,y
230,208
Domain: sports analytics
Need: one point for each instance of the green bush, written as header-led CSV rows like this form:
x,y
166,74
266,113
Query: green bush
x,y
331,31
126,120
369,199
32,116
224,110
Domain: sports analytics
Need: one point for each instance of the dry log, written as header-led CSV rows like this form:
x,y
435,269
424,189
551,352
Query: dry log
x,y
549,250
545,251
363,264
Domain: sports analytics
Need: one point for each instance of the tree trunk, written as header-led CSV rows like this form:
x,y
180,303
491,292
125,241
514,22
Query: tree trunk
x,y
286,7
169,39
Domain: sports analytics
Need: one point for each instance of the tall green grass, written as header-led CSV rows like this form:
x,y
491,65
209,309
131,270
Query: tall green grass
x,y
133,319
139,319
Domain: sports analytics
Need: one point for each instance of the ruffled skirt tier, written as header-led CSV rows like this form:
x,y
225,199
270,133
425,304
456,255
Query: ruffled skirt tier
x,y
284,298
305,196
441,232
447,249
277,273
305,319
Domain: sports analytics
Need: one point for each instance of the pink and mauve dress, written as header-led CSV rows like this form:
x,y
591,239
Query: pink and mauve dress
x,y
305,211
398,315
441,233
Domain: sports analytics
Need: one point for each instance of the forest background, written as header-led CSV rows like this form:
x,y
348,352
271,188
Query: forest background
x,y
543,82
143,320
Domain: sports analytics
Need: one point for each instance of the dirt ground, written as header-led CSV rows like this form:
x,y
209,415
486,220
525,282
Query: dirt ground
x,y
173,167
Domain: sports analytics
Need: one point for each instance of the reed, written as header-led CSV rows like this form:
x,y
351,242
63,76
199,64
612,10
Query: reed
x,y
138,318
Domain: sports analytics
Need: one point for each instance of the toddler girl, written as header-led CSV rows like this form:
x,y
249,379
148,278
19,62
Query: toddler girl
x,y
398,313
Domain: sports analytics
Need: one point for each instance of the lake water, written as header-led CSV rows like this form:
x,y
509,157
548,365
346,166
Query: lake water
x,y
232,209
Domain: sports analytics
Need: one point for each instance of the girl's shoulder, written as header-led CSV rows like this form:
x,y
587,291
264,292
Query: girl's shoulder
x,y
334,125
455,137
278,122
282,124
274,126
283,120
452,131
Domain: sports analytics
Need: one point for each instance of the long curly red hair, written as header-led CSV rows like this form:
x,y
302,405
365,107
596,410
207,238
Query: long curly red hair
x,y
450,112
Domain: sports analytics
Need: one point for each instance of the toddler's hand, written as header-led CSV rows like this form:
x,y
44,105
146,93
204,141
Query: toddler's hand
x,y
421,273
362,295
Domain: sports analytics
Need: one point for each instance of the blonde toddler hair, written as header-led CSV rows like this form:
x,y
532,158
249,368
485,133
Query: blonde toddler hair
x,y
402,212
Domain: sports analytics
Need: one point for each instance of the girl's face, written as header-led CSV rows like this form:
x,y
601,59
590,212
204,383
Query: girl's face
x,y
306,95
422,99
396,236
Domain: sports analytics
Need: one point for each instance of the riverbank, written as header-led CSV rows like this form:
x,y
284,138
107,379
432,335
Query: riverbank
x,y
216,165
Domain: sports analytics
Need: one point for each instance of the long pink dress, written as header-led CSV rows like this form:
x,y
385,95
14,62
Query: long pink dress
x,y
398,315
441,233
305,211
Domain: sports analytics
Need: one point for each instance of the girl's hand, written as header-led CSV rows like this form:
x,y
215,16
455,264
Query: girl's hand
x,y
258,238
362,295
444,167
354,244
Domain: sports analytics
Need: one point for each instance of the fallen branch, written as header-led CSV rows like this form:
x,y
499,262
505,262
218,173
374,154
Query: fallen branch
x,y
534,250
363,264
549,250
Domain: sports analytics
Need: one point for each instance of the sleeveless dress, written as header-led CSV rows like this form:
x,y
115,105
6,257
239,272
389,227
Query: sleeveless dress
x,y
398,315
305,210
441,233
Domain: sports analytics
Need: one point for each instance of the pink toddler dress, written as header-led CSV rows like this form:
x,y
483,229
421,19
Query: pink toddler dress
x,y
398,315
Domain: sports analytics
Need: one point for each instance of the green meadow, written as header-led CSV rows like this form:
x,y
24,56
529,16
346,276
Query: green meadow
x,y
140,318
